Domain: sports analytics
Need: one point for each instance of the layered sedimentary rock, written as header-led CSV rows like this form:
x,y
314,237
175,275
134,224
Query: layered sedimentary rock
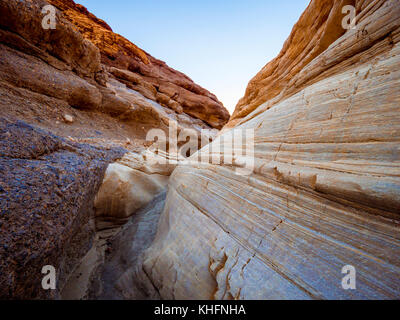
x,y
150,76
296,67
325,189
66,65
74,100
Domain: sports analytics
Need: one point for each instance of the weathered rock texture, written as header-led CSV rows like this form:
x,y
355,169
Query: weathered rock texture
x,y
151,77
47,189
325,191
65,67
86,97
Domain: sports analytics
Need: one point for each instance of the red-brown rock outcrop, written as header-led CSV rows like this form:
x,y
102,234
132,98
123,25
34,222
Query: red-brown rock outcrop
x,y
151,77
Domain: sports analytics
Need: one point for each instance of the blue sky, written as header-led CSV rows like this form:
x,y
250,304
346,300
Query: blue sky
x,y
219,44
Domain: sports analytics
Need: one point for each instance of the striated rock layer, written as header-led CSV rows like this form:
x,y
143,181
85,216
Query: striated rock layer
x,y
325,190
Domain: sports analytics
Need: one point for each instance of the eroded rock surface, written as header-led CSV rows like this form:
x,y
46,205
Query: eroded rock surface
x,y
151,77
130,184
47,189
325,188
120,275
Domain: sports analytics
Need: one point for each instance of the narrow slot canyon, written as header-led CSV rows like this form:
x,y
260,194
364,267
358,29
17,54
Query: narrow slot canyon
x,y
135,183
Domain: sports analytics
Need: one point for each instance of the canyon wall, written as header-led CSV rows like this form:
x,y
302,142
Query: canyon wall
x,y
325,189
146,74
76,103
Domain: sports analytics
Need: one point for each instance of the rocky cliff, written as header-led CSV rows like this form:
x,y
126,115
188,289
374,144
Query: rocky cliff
x,y
76,103
151,77
325,189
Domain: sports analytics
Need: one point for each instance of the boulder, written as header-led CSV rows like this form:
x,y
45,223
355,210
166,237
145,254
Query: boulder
x,y
144,71
129,185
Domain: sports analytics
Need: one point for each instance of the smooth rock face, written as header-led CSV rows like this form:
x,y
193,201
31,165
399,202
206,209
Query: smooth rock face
x,y
325,191
130,184
297,66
